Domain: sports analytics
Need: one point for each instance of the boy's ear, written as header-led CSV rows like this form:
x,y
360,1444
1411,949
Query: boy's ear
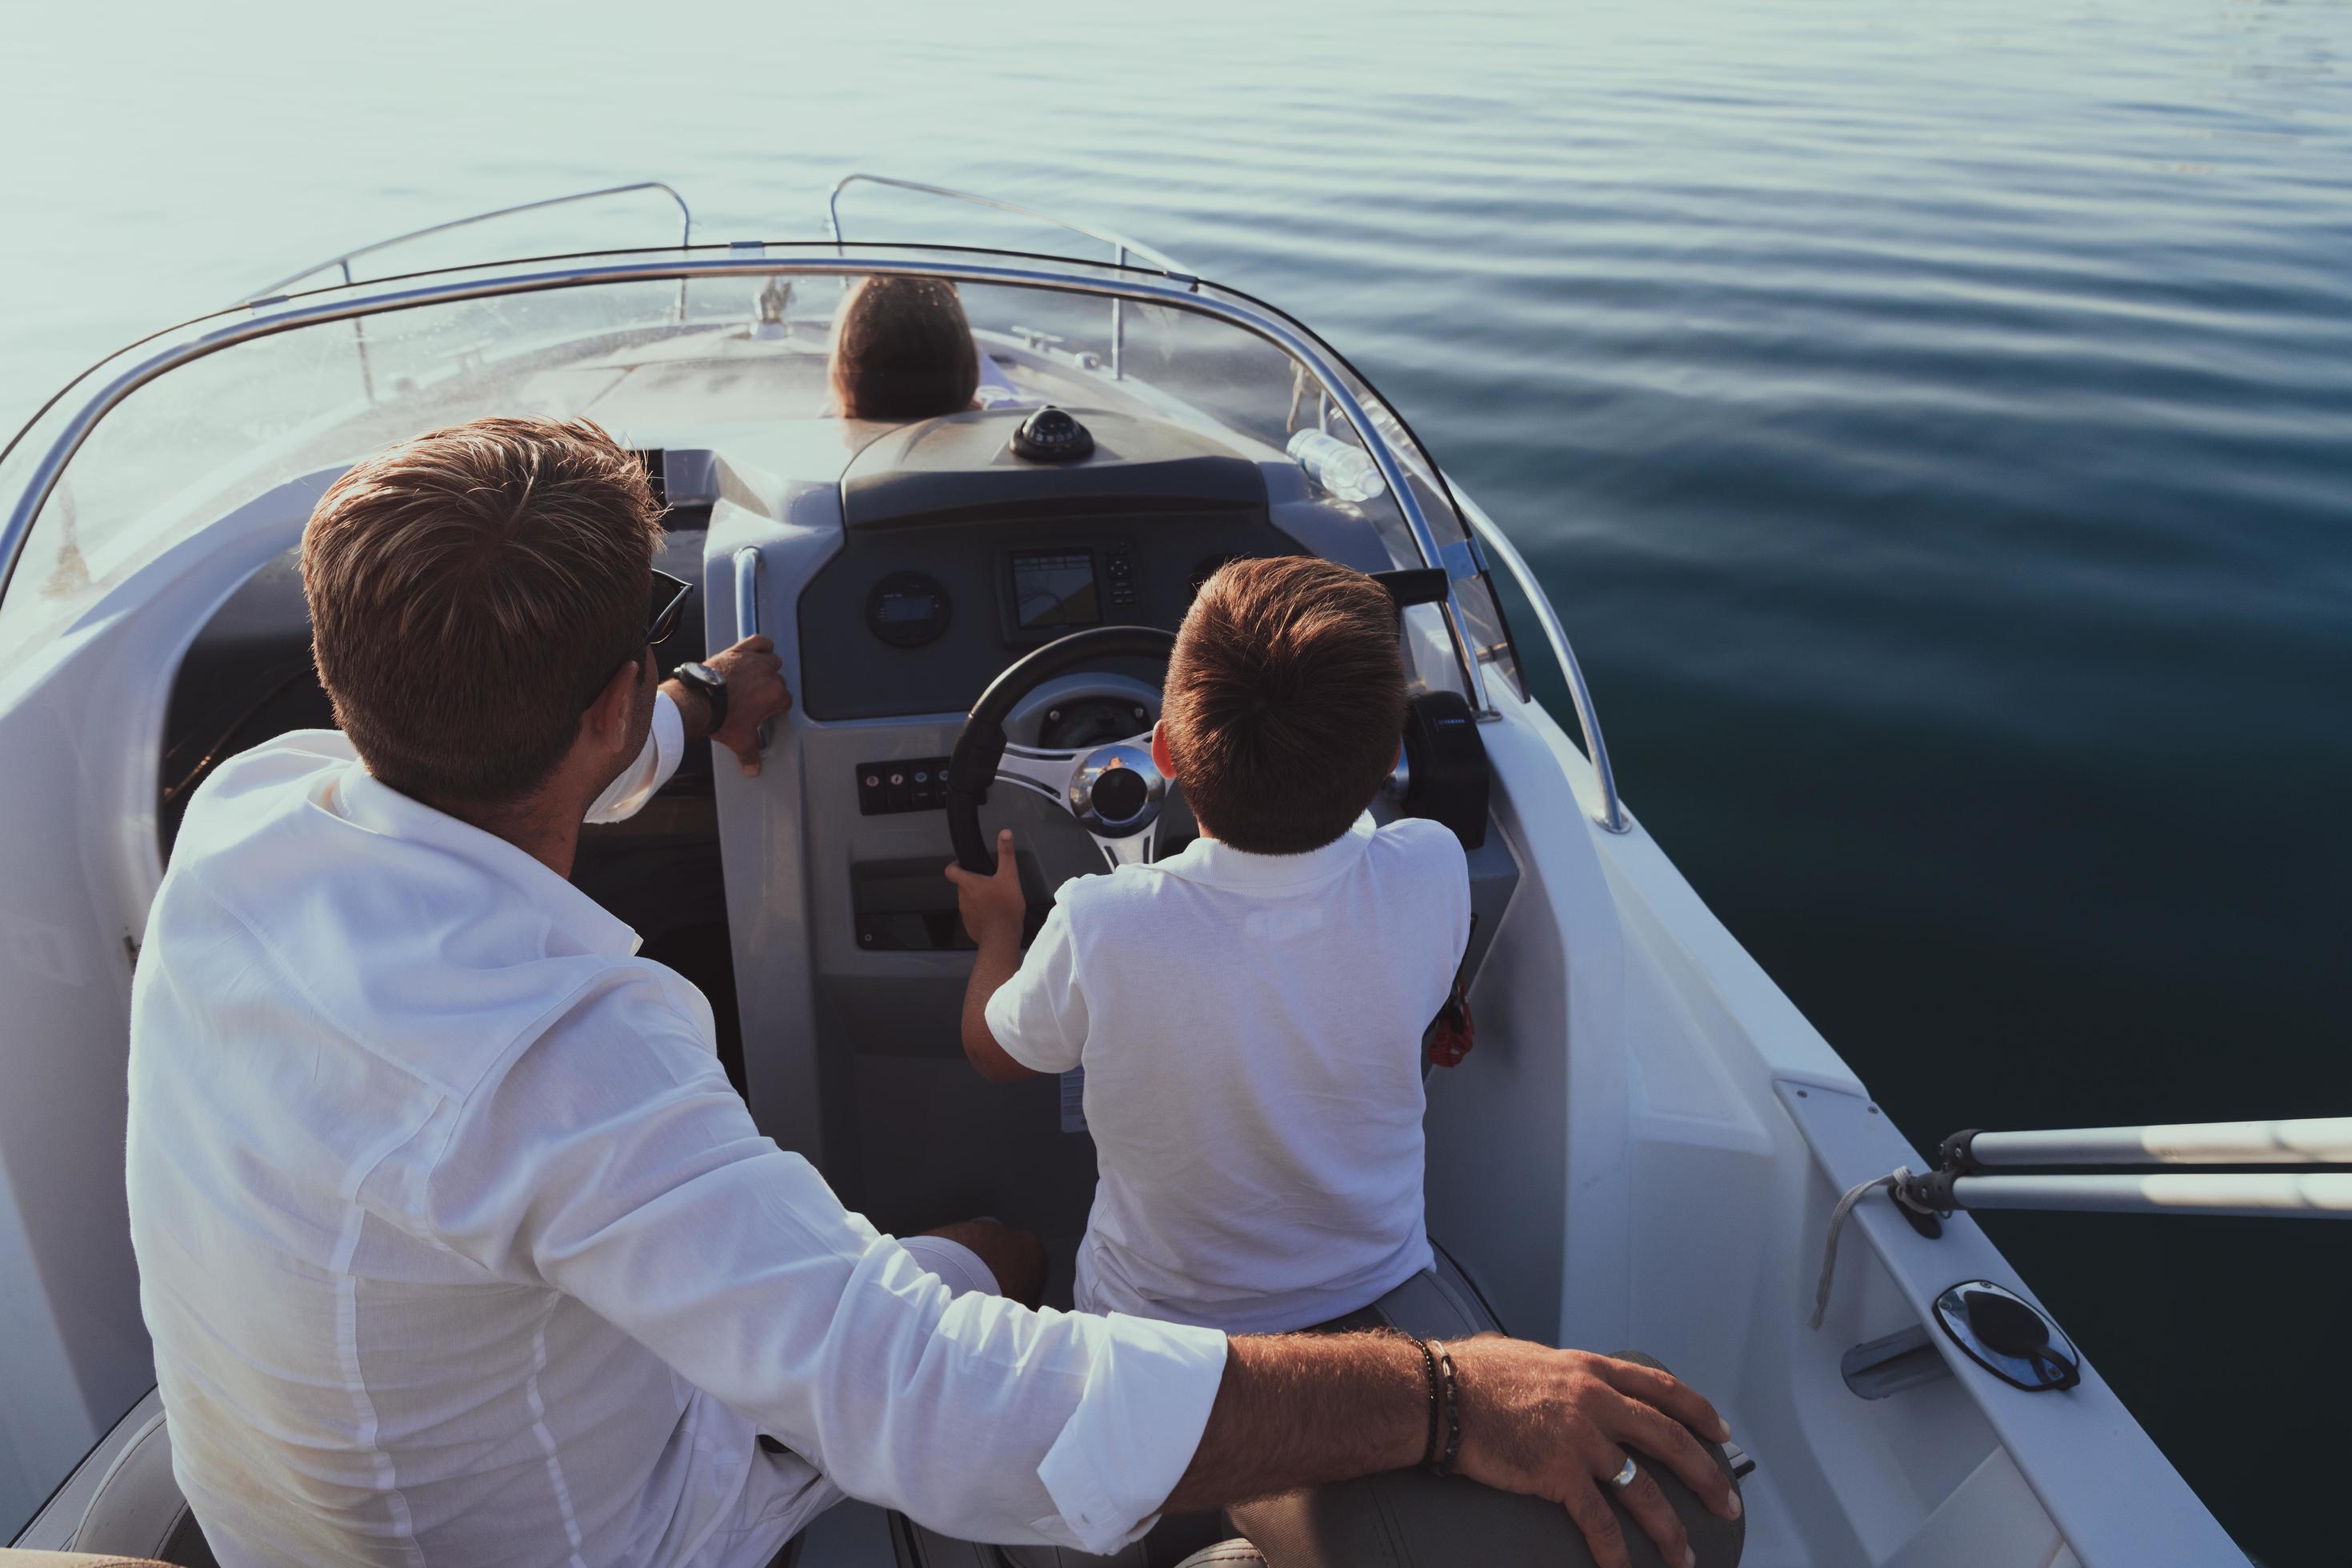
x,y
1160,758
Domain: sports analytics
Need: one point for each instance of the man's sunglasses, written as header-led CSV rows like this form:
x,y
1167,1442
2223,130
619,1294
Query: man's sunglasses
x,y
668,602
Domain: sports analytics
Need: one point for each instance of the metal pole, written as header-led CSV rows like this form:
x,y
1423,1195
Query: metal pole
x,y
359,338
2315,1140
1612,815
2326,1195
1118,327
686,233
1160,258
747,610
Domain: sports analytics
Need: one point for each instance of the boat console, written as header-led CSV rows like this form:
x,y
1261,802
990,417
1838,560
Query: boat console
x,y
902,568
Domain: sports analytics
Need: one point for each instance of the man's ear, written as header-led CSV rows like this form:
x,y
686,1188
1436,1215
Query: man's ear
x,y
1160,758
606,721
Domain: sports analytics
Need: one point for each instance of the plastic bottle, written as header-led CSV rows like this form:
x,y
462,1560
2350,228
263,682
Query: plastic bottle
x,y
1339,470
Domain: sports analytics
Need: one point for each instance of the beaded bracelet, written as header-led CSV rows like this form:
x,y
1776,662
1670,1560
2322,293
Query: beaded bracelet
x,y
1442,1463
1428,1365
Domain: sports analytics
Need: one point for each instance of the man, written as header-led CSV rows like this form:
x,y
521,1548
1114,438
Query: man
x,y
455,1243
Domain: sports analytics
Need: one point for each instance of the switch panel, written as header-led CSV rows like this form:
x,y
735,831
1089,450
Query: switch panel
x,y
907,784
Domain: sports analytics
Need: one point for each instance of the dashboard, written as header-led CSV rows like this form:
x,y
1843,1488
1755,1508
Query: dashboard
x,y
900,568
956,559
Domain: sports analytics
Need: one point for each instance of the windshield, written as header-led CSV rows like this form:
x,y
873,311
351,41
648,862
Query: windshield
x,y
723,359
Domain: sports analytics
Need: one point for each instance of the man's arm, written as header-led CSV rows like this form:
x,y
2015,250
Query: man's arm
x,y
1302,1410
612,1160
755,691
755,694
995,910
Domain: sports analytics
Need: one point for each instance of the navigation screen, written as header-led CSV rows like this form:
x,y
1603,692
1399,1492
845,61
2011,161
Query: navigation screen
x,y
1055,589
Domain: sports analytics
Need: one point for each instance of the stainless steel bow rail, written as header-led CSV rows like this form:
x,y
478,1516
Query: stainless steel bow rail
x,y
343,263
1976,1171
1122,247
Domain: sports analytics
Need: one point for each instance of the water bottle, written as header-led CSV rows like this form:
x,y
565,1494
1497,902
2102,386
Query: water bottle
x,y
1339,470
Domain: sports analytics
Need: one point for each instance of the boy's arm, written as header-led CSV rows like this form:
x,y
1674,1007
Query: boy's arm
x,y
994,910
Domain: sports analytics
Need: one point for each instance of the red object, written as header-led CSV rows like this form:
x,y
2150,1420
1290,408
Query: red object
x,y
1457,1031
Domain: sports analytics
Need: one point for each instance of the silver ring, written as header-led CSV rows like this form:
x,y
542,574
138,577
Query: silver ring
x,y
1624,1477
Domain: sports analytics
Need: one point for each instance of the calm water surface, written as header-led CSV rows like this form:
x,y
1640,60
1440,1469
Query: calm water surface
x,y
1935,425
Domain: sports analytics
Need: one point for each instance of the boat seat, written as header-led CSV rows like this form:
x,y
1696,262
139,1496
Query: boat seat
x,y
137,1514
1440,1302
10,1557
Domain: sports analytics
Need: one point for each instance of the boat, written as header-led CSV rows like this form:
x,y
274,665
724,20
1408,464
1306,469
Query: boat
x,y
1647,1148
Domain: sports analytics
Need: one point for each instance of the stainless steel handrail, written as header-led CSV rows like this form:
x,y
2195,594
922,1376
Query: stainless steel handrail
x,y
1968,1175
1122,247
1185,295
2305,1141
1117,241
344,263
747,592
1612,815
685,234
2307,1195
747,609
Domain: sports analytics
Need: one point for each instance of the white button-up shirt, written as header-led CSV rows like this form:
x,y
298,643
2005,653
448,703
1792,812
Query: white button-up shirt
x,y
456,1246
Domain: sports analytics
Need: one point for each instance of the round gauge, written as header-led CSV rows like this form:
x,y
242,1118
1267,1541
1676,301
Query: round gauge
x,y
908,609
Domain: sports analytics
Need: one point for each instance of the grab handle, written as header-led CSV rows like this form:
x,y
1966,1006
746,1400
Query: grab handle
x,y
747,610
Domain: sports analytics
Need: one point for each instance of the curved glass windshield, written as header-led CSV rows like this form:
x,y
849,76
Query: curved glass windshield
x,y
725,359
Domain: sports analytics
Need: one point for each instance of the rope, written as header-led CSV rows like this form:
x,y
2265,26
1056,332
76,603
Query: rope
x,y
1854,1194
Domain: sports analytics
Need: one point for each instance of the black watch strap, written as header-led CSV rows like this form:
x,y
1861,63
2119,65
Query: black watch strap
x,y
711,684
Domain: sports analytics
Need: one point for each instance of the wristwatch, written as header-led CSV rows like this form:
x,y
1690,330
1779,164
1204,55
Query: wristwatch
x,y
709,683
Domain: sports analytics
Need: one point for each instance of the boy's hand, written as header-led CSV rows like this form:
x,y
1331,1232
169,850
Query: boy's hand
x,y
993,907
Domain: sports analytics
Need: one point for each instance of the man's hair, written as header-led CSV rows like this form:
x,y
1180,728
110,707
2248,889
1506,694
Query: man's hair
x,y
1285,702
471,593
902,349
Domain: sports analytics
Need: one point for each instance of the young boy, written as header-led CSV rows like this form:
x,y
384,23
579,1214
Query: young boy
x,y
1249,1012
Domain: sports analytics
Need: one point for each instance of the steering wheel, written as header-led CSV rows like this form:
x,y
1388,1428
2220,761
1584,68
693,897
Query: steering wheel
x,y
1114,789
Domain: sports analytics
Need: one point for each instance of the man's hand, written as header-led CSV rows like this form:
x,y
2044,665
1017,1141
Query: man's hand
x,y
1560,1425
995,908
755,693
1306,1410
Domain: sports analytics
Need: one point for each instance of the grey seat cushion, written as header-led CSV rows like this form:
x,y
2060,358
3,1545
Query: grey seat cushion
x,y
138,1512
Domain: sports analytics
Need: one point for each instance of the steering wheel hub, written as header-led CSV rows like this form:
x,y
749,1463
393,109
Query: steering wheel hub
x,y
1116,790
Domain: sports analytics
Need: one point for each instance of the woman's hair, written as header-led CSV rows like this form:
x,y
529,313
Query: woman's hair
x,y
902,349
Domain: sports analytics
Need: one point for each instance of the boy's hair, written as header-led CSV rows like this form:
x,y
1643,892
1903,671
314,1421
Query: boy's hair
x,y
1285,702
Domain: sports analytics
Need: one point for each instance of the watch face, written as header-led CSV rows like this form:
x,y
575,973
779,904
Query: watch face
x,y
702,673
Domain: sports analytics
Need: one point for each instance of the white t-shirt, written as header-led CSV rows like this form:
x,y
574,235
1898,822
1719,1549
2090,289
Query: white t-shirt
x,y
1250,1026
